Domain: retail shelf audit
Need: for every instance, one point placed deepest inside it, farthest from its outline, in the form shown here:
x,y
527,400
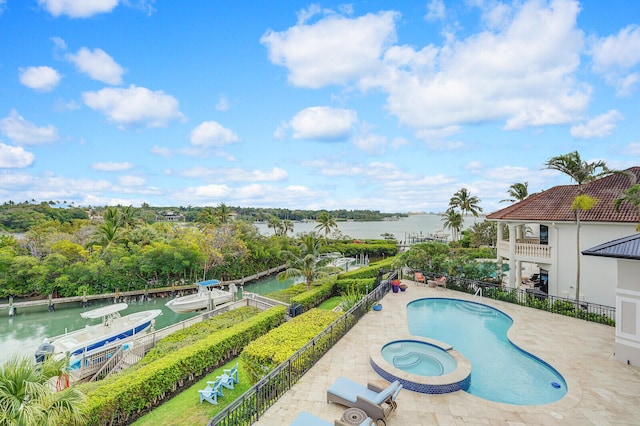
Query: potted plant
x,y
403,287
377,306
395,285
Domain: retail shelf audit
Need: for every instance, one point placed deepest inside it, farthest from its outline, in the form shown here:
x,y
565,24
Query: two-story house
x,y
541,230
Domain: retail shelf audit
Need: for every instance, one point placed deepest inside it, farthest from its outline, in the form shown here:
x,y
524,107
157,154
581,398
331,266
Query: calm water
x,y
414,224
500,371
22,334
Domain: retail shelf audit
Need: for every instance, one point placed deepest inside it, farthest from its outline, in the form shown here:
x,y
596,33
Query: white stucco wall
x,y
627,347
598,276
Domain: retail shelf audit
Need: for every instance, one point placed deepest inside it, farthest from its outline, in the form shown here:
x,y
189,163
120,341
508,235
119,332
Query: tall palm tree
x,y
326,223
631,196
466,202
26,398
207,216
308,264
517,192
223,213
453,221
275,223
581,172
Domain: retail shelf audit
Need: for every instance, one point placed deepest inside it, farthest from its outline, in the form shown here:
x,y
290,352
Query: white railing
x,y
529,250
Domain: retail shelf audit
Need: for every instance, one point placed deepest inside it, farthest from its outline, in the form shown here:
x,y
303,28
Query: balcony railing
x,y
528,250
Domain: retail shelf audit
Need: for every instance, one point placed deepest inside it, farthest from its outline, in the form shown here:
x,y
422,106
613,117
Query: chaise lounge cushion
x,y
350,390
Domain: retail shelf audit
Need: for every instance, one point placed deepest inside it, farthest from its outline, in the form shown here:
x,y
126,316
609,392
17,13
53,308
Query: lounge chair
x,y
232,372
211,392
308,419
419,278
377,402
441,282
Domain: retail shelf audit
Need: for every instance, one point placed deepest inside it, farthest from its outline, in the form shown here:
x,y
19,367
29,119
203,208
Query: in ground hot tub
x,y
424,359
421,365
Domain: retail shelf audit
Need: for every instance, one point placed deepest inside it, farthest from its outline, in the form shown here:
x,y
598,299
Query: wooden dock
x,y
135,293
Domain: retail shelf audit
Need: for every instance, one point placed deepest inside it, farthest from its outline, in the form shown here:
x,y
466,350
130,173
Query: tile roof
x,y
554,204
622,248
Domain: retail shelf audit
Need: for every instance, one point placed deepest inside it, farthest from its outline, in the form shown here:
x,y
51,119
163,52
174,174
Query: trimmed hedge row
x,y
315,296
269,351
197,332
358,284
126,397
370,271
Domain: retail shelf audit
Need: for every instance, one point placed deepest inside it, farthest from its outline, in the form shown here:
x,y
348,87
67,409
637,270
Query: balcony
x,y
526,250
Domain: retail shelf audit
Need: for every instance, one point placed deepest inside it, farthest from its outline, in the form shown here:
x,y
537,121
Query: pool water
x,y
418,358
500,371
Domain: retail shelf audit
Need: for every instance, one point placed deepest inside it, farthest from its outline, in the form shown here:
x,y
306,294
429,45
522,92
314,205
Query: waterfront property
x,y
542,231
600,390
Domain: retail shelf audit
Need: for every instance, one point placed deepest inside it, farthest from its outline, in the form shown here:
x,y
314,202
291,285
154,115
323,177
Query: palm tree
x,y
275,223
631,196
326,223
207,216
308,264
581,172
223,213
287,225
453,221
27,399
517,192
466,202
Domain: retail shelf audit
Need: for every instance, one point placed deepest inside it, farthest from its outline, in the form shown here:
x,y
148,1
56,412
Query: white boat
x,y
93,338
207,294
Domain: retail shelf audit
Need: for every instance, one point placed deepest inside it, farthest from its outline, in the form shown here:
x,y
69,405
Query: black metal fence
x,y
534,299
248,407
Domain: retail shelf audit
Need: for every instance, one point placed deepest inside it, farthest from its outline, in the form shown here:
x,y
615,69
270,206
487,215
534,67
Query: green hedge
x,y
200,331
358,284
317,294
123,398
370,271
267,352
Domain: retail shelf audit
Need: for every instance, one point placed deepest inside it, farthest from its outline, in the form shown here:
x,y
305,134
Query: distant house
x,y
624,253
542,232
170,216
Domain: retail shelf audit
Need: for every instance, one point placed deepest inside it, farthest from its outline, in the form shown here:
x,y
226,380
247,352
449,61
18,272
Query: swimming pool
x,y
500,371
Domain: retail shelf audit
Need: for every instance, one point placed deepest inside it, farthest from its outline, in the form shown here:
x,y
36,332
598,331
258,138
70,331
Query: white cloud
x,y
334,50
632,148
616,56
41,78
78,8
522,74
323,123
521,70
22,132
98,65
131,181
161,150
15,157
134,106
370,143
435,10
237,174
598,127
222,104
212,134
109,166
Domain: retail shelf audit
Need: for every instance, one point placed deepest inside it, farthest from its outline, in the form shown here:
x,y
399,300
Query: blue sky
x,y
381,105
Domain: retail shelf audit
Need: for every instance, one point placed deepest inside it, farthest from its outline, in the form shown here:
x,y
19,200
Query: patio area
x,y
601,391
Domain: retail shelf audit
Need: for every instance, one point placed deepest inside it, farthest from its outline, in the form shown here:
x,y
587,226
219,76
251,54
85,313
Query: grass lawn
x,y
185,408
331,303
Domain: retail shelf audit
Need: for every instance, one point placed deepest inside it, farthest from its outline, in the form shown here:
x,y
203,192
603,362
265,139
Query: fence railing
x,y
535,299
248,408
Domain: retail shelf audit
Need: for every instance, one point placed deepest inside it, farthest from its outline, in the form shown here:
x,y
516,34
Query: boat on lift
x,y
208,294
94,338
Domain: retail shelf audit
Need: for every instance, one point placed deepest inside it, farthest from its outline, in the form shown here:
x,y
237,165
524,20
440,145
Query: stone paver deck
x,y
601,391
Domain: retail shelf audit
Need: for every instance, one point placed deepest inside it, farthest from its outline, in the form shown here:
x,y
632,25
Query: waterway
x,y
23,333
401,229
